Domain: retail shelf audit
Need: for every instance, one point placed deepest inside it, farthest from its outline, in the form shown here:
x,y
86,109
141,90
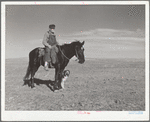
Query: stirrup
x,y
46,68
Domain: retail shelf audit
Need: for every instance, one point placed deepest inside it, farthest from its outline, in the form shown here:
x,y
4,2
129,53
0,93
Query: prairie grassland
x,y
96,85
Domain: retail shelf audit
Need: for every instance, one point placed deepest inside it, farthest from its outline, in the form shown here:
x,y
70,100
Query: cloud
x,y
101,36
99,43
102,32
110,43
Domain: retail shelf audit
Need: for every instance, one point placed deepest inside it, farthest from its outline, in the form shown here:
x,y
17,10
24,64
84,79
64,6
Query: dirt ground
x,y
96,85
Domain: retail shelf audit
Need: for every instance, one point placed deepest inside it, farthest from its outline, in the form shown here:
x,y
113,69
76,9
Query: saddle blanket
x,y
42,50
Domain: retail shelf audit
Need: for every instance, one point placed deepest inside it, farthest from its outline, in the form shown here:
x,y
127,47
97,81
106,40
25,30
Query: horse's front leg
x,y
60,78
57,71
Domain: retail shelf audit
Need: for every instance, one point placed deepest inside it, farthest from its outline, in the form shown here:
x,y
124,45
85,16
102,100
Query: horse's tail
x,y
33,60
33,57
28,72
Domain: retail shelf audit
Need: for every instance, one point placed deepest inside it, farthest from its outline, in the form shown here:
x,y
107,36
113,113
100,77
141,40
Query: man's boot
x,y
46,66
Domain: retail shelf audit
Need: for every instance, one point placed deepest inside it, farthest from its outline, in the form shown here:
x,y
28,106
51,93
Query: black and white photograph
x,y
77,60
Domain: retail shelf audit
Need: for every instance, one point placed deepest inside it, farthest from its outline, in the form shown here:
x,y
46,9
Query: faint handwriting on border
x,y
135,112
83,112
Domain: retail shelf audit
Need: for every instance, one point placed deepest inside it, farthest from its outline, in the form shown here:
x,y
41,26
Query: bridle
x,y
63,53
77,55
66,56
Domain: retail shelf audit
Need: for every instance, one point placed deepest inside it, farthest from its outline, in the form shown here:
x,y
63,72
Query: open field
x,y
96,85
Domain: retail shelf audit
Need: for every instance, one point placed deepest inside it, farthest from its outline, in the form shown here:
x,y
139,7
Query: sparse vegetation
x,y
96,85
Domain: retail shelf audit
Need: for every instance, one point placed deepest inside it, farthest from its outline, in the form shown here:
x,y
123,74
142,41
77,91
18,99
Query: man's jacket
x,y
49,39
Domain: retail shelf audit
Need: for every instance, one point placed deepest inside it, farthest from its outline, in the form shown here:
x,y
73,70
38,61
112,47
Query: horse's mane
x,y
72,43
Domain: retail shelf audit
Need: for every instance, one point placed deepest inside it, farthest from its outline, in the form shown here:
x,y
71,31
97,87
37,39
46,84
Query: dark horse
x,y
65,53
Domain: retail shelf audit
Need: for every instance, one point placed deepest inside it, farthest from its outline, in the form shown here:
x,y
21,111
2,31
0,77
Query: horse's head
x,y
79,51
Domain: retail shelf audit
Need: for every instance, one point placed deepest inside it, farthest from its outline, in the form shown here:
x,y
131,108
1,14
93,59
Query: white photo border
x,y
74,115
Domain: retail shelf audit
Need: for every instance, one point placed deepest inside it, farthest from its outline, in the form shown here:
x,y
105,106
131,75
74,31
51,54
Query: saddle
x,y
42,53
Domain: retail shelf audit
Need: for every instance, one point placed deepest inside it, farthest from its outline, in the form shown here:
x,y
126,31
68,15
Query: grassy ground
x,y
96,85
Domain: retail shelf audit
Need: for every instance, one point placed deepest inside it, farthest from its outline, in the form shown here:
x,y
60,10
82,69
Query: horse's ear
x,y
83,43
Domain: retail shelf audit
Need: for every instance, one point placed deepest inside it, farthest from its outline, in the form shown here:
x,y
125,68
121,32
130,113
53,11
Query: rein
x,y
63,53
77,54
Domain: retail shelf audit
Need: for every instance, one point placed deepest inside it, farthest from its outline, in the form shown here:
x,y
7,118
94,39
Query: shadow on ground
x,y
48,83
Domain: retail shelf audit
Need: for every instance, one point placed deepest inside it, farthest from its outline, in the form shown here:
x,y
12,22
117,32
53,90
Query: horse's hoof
x,y
60,87
61,90
55,87
55,91
52,88
32,86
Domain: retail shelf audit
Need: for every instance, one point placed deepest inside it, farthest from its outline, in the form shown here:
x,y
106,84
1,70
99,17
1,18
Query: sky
x,y
109,31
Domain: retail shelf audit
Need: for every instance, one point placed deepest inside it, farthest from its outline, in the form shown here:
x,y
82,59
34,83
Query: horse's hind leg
x,y
26,77
33,71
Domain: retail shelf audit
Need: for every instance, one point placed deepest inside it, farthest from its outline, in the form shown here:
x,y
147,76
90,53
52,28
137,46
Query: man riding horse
x,y
53,55
49,41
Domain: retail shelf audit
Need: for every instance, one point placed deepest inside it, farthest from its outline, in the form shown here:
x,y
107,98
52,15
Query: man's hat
x,y
52,26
